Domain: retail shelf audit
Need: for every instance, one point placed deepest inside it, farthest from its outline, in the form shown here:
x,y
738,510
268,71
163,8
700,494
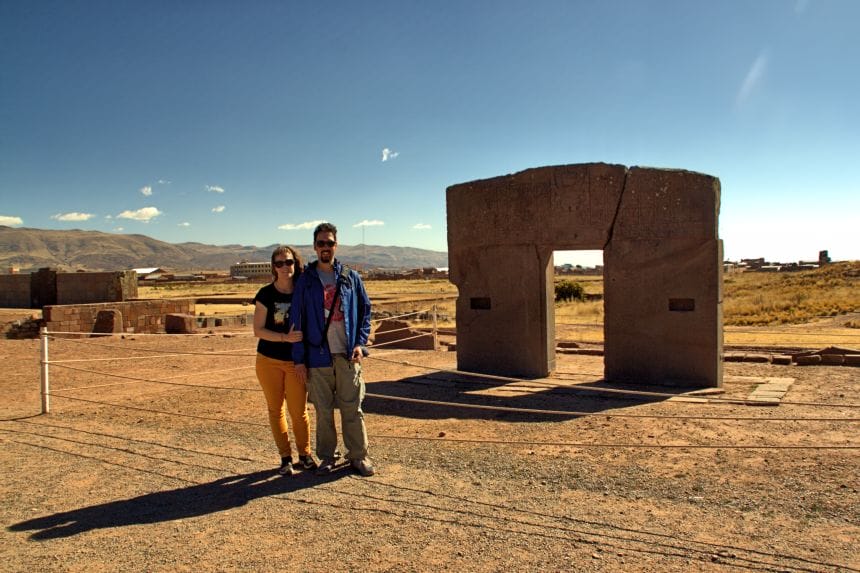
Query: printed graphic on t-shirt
x,y
282,311
338,311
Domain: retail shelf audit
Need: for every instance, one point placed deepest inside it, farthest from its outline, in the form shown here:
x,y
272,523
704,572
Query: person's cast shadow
x,y
180,503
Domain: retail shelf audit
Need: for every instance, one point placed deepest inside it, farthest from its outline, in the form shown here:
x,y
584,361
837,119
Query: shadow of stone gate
x,y
458,396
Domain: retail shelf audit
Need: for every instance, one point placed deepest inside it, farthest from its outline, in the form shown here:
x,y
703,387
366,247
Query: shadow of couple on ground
x,y
169,505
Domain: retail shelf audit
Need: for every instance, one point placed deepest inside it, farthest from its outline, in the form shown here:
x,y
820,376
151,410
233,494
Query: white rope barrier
x,y
161,381
732,401
580,414
136,334
416,313
44,363
126,349
155,381
379,332
71,360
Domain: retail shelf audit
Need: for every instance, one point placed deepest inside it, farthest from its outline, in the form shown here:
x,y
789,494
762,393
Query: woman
x,y
274,360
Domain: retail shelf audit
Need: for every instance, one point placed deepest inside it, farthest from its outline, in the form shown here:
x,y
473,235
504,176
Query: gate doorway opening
x,y
579,310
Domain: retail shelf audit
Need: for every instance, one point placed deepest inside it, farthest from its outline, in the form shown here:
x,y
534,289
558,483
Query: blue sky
x,y
246,122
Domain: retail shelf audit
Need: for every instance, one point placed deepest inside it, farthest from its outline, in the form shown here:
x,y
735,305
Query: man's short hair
x,y
325,228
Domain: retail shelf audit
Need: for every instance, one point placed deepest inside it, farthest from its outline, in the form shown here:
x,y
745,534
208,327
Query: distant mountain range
x,y
31,249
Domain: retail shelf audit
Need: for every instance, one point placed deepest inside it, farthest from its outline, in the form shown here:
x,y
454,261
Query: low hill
x,y
30,249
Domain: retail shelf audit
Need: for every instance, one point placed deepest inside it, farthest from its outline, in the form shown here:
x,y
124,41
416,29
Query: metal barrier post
x,y
435,330
46,388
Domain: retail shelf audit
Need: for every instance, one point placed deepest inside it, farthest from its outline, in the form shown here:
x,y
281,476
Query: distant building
x,y
753,263
149,273
251,270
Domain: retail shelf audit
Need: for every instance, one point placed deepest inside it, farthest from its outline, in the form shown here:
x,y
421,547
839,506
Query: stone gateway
x,y
658,229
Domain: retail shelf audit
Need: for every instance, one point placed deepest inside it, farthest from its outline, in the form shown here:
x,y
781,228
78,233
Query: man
x,y
332,310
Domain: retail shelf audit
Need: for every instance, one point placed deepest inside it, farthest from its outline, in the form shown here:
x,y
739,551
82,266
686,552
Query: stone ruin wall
x,y
14,291
145,316
50,287
85,288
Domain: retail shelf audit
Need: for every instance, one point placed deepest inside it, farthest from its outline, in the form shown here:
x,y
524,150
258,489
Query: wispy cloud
x,y
73,216
218,209
389,154
422,226
214,189
145,214
118,229
367,223
10,221
753,78
184,224
146,190
299,226
163,182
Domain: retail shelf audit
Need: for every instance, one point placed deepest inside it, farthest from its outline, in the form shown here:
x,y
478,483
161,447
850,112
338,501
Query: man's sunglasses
x,y
328,244
279,264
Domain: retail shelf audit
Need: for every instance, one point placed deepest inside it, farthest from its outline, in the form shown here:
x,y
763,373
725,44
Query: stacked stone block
x,y
137,316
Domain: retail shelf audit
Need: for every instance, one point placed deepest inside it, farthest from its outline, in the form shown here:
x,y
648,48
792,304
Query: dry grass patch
x,y
767,299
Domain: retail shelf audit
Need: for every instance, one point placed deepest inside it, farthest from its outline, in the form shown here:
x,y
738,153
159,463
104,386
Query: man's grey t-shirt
x,y
337,328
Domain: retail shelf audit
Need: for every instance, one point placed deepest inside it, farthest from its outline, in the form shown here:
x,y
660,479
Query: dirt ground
x,y
566,479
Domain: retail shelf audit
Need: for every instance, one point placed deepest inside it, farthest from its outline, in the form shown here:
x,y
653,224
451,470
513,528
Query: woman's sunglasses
x,y
279,264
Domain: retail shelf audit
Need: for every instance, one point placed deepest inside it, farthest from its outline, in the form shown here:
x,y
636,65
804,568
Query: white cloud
x,y
422,226
299,226
218,209
10,221
389,154
753,77
367,223
119,229
146,191
185,224
146,214
163,182
73,216
214,189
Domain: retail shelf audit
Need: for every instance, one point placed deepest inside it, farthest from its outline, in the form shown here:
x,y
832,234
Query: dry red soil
x,y
126,474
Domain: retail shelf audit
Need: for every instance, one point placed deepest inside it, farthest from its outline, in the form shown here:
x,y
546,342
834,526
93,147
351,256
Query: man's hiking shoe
x,y
286,468
307,462
363,467
326,467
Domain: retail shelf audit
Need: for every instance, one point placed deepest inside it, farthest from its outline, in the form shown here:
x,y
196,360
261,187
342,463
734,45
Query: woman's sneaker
x,y
307,462
286,468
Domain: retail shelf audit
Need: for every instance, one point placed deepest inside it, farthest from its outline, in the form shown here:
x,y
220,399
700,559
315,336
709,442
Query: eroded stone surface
x,y
662,278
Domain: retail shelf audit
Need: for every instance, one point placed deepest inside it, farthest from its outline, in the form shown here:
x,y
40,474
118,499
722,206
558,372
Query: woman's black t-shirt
x,y
277,320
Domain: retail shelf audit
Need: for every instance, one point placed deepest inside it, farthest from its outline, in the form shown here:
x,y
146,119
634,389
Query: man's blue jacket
x,y
306,314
